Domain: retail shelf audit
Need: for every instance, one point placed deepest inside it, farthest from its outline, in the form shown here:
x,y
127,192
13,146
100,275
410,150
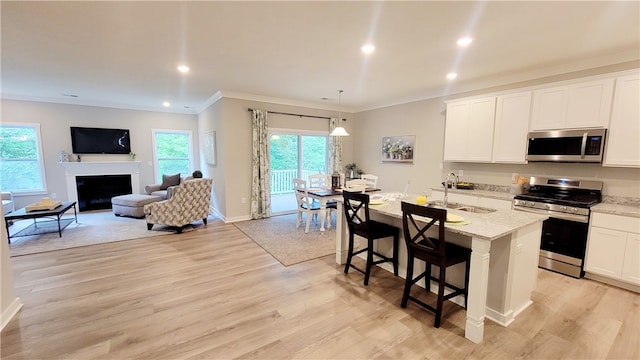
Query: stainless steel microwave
x,y
585,145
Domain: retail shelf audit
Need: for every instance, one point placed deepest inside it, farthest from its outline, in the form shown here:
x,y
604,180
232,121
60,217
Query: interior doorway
x,y
294,154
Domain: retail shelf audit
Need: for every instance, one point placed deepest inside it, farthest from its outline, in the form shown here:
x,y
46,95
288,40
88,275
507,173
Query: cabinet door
x,y
480,130
589,104
631,264
469,130
455,136
511,127
549,108
605,252
623,137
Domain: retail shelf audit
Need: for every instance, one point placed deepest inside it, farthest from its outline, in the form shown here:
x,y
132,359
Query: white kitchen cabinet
x,y
511,127
469,130
623,136
613,249
631,268
582,105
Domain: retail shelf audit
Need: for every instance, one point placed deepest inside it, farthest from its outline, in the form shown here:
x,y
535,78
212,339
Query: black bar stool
x,y
433,251
368,229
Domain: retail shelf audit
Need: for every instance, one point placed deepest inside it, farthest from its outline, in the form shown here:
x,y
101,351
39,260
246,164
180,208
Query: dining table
x,y
323,195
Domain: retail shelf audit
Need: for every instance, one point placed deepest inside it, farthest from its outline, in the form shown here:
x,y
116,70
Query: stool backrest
x,y
415,234
355,204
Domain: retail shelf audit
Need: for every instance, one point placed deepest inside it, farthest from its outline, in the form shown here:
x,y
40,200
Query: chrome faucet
x,y
454,184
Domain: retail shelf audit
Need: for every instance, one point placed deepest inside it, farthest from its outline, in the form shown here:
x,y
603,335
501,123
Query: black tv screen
x,y
100,141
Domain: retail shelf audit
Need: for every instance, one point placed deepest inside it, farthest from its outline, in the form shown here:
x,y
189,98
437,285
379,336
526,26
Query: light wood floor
x,y
215,294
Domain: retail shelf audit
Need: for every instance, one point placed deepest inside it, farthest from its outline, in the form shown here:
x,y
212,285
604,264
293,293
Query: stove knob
x,y
547,206
574,210
530,203
563,208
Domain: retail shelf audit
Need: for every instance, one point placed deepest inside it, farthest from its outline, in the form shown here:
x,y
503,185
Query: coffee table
x,y
24,214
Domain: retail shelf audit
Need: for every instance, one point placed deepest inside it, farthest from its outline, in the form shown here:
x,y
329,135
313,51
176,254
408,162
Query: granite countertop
x,y
489,226
617,209
624,206
500,195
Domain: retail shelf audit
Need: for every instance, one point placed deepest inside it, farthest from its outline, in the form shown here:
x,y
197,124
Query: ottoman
x,y
132,204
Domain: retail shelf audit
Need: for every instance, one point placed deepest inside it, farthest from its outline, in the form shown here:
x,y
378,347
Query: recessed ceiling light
x,y
465,41
183,68
368,48
452,76
166,104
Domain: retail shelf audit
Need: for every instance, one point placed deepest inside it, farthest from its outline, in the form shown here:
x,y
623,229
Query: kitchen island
x,y
504,259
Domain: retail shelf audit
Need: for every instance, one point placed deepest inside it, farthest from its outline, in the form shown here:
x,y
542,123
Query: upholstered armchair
x,y
189,202
165,189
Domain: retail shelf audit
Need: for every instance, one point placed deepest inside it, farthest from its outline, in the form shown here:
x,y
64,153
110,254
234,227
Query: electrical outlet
x,y
460,173
440,166
244,200
54,195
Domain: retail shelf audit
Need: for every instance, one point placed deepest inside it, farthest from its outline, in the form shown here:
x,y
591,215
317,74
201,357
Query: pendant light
x,y
339,130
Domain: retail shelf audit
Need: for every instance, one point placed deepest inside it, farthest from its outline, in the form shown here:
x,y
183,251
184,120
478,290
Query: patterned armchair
x,y
189,202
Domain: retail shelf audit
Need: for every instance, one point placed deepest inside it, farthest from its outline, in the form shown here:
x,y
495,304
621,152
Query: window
x,y
21,164
172,152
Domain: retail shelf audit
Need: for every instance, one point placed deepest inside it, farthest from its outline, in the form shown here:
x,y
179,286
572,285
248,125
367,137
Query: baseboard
x,y
10,312
612,282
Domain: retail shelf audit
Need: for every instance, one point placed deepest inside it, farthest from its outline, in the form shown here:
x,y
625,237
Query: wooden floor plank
x,y
213,293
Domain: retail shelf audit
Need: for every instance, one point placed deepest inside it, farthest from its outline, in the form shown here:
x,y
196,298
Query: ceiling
x,y
124,54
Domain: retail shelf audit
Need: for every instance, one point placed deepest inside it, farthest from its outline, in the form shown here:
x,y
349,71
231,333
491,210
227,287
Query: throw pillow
x,y
170,180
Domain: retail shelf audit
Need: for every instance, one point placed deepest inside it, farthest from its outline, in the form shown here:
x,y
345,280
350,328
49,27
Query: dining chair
x,y
306,204
433,251
356,185
317,181
372,180
356,210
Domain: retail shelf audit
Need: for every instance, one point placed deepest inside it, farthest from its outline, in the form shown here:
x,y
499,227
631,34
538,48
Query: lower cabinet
x,y
613,249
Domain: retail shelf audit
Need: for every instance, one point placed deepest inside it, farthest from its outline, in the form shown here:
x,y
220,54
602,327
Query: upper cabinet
x,y
582,105
511,127
623,138
469,130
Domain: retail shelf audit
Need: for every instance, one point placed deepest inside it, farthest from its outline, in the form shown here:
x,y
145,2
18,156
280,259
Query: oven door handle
x,y
564,216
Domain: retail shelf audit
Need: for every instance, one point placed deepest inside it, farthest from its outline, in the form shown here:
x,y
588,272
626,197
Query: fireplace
x,y
95,191
99,169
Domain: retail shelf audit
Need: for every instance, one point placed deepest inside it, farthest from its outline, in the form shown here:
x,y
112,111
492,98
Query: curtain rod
x,y
299,115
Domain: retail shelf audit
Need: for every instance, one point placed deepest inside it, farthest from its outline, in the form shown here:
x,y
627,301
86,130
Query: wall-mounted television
x,y
100,141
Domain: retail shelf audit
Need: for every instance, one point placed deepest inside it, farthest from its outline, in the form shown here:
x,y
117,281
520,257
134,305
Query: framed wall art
x,y
398,148
209,147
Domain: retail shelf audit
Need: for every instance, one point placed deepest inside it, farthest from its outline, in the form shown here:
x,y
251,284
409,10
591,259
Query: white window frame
x,y
43,176
154,132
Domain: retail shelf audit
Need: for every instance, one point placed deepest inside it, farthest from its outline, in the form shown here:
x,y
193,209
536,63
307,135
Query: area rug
x,y
280,238
95,227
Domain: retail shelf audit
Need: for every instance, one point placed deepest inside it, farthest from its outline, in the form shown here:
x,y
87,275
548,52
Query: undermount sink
x,y
462,207
475,209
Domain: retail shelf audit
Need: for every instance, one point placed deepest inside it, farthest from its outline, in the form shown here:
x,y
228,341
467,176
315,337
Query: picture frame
x,y
398,149
209,147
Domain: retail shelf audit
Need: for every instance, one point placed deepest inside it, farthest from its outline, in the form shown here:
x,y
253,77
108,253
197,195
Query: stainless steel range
x,y
564,234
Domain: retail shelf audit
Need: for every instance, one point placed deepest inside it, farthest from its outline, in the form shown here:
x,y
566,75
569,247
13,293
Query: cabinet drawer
x,y
616,222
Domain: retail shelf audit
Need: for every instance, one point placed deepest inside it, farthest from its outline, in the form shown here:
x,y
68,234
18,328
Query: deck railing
x,y
282,180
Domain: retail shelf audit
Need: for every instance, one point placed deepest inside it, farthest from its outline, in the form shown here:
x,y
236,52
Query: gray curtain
x,y
335,149
261,186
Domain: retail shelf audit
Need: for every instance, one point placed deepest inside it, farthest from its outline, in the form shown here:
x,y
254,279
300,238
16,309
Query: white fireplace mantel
x,y
73,169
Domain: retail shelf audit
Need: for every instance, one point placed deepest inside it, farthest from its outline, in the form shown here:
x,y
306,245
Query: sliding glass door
x,y
293,155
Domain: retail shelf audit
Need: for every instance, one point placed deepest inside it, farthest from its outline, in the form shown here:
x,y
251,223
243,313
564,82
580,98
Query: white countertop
x,y
489,226
616,209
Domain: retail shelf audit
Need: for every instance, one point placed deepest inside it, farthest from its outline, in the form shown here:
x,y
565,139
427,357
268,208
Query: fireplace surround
x,y
98,168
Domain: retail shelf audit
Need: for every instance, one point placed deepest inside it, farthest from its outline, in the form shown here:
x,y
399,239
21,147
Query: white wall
x,y
9,303
232,122
55,120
